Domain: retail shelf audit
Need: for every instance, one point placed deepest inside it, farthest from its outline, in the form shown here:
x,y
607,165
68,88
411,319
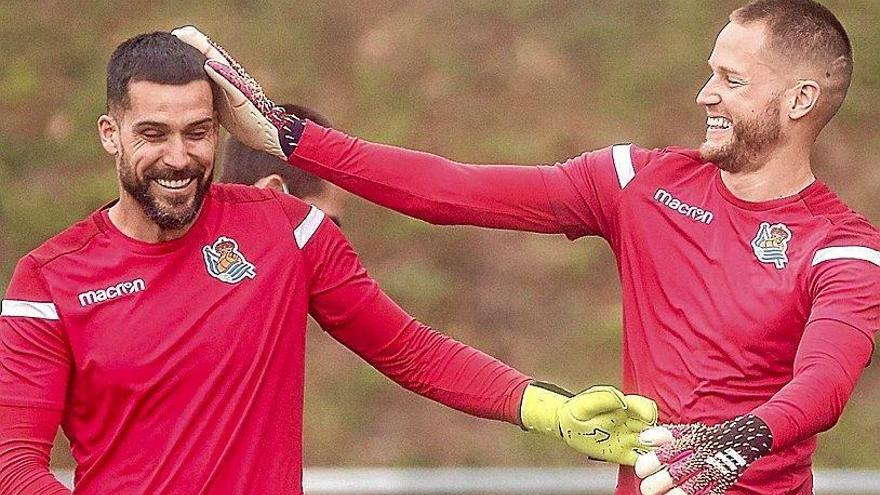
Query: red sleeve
x,y
34,369
837,342
845,287
575,198
829,362
586,190
349,305
429,187
26,435
34,355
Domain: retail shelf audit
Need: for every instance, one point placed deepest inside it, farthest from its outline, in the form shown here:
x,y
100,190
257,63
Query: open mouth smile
x,y
174,185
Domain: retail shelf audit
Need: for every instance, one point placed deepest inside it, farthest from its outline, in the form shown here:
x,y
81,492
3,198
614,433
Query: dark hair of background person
x,y
155,57
243,165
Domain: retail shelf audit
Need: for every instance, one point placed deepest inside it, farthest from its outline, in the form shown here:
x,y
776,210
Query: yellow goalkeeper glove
x,y
600,422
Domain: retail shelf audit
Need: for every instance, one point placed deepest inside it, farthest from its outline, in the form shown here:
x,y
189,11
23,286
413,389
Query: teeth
x,y
718,123
174,184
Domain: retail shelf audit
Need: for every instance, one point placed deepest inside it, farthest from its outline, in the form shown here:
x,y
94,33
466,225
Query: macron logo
x,y
694,213
121,289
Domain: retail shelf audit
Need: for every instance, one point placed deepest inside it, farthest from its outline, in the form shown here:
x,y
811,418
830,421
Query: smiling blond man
x,y
750,290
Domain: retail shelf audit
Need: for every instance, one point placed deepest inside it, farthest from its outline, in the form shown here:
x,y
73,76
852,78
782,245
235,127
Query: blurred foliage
x,y
521,81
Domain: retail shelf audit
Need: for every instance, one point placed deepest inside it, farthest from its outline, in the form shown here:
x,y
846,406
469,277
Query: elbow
x,y
27,474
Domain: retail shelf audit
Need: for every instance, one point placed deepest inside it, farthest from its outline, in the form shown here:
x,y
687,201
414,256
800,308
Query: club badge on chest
x,y
771,244
225,262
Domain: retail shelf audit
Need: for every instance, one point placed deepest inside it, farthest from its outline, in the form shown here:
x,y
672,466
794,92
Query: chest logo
x,y
771,243
121,289
226,263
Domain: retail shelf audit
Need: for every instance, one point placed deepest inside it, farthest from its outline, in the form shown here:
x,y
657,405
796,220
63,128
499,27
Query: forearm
x,y
432,365
26,436
429,187
830,361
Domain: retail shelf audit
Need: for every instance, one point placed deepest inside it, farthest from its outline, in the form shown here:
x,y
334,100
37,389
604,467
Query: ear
x,y
108,132
804,98
273,181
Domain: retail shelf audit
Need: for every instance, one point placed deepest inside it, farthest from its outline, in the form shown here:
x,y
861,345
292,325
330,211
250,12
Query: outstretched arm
x,y
348,304
430,187
418,184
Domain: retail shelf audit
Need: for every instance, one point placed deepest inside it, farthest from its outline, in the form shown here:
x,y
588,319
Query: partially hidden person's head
x,y
780,71
243,165
160,126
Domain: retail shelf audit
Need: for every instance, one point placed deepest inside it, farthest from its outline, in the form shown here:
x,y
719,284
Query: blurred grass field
x,y
524,81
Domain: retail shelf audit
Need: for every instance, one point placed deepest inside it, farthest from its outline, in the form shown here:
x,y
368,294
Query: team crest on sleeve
x,y
771,243
225,262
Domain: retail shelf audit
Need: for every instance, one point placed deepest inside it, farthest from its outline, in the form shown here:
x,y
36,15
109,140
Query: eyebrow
x,y
197,123
723,68
164,126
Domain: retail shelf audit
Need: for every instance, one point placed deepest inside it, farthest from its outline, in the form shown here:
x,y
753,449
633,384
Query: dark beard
x,y
751,139
173,215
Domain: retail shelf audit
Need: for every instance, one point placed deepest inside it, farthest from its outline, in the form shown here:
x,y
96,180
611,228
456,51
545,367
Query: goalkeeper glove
x,y
700,459
600,422
244,110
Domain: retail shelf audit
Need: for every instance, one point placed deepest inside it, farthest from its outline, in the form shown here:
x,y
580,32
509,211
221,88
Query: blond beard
x,y
751,140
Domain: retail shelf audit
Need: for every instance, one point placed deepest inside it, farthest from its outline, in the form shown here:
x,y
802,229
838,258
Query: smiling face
x,y
743,99
164,143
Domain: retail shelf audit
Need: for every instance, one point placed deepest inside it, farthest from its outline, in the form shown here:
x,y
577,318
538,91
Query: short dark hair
x,y
156,57
806,31
244,165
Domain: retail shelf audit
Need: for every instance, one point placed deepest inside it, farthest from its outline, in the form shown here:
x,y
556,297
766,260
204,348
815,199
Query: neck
x,y
784,172
128,216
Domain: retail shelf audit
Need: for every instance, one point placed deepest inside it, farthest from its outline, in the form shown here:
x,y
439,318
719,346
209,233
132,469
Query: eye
x,y
733,81
152,134
198,134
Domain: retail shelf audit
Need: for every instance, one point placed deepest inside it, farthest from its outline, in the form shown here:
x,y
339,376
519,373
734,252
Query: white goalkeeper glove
x,y
245,111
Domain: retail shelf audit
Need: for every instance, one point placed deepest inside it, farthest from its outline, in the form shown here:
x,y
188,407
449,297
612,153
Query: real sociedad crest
x,y
771,243
225,262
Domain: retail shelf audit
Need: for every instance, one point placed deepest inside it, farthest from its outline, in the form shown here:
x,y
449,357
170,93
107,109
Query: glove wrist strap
x,y
540,404
289,133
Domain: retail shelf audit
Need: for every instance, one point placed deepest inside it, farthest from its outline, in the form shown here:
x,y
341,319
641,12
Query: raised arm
x,y
429,187
34,369
418,184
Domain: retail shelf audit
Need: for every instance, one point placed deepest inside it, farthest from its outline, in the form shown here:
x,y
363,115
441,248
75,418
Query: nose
x,y
176,154
708,95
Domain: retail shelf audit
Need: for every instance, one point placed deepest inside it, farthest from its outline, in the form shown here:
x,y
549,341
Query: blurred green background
x,y
521,81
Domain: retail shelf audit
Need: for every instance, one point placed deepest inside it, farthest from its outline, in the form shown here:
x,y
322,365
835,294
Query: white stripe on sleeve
x,y
306,229
846,253
623,165
28,309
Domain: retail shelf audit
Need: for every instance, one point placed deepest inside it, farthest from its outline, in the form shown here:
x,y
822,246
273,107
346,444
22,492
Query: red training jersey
x,y
730,307
177,367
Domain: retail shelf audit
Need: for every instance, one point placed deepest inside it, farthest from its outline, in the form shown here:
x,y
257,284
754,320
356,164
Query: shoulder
x,y
853,238
638,157
27,281
240,193
848,235
842,221
69,241
630,161
299,214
